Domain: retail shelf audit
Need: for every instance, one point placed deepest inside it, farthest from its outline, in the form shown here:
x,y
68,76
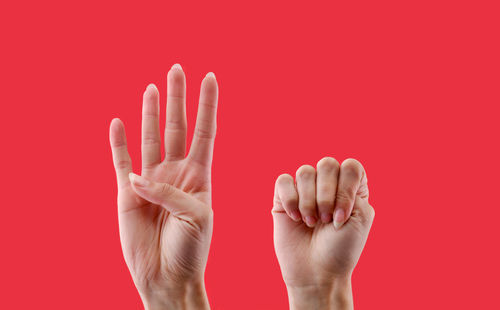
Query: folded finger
x,y
286,197
350,176
326,187
306,187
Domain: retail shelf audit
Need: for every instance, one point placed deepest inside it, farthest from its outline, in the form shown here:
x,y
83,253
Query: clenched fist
x,y
165,215
321,223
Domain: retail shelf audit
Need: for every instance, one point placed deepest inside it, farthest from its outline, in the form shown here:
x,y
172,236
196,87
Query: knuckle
x,y
283,179
122,164
305,171
150,141
328,164
345,196
308,210
307,205
323,189
175,125
211,104
371,212
325,203
166,190
291,201
353,167
204,133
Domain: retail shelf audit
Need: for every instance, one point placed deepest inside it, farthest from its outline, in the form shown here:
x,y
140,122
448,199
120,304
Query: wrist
x,y
180,297
336,295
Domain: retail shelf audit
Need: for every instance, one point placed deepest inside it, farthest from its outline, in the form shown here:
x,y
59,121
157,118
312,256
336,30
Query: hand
x,y
165,215
317,257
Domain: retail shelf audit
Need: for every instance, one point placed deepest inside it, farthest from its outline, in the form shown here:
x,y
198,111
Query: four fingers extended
x,y
175,128
176,124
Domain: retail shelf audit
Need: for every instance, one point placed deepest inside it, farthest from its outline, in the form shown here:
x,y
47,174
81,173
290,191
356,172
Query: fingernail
x,y
138,180
310,221
210,74
326,217
177,66
153,86
338,218
295,214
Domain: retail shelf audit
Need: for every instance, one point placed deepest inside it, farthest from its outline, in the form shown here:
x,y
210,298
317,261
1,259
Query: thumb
x,y
172,199
364,210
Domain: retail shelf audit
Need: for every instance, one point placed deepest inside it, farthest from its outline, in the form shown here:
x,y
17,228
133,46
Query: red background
x,y
409,88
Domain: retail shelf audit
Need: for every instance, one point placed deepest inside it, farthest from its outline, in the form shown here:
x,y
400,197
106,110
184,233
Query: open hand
x,y
165,215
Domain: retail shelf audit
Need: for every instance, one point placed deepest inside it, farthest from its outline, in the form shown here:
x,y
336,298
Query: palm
x,y
167,240
162,242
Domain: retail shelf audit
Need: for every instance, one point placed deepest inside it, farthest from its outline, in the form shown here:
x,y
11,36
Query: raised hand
x,y
165,215
316,256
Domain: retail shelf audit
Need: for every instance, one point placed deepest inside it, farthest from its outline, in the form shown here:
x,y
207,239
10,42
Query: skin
x,y
321,223
165,215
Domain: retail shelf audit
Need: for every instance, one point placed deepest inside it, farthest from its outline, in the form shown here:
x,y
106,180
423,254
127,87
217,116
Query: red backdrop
x,y
410,88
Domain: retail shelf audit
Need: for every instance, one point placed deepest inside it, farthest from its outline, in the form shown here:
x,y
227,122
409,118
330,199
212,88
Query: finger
x,y
151,145
350,176
286,197
326,187
363,208
121,158
204,134
306,187
171,198
176,124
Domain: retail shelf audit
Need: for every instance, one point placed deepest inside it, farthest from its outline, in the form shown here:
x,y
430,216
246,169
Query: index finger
x,y
202,146
351,183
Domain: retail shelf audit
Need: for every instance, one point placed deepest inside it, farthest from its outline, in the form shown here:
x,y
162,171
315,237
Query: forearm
x,y
191,296
337,296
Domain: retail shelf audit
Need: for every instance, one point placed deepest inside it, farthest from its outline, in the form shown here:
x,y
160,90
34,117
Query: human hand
x,y
317,257
165,215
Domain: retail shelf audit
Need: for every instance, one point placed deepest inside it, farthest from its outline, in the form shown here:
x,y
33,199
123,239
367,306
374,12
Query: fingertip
x,y
295,216
310,220
151,92
137,180
305,171
209,86
328,164
326,217
284,178
115,122
176,75
117,133
176,67
210,82
338,218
